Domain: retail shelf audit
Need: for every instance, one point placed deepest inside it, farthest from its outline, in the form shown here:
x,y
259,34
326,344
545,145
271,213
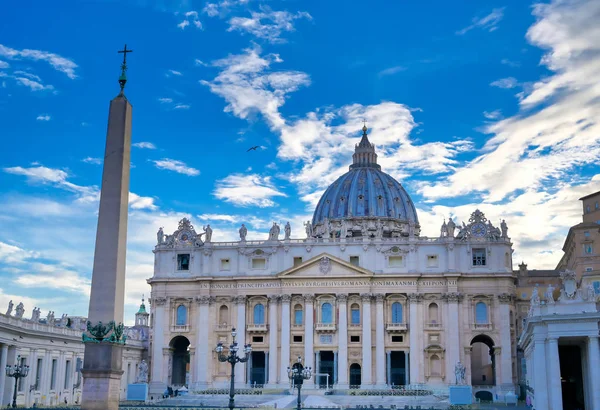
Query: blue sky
x,y
488,104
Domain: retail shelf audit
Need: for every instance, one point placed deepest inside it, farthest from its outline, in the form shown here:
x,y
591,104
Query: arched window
x,y
326,313
355,314
433,313
481,315
396,312
298,314
259,314
223,315
587,209
181,315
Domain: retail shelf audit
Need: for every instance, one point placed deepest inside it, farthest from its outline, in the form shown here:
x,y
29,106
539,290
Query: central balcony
x,y
325,327
396,327
257,328
180,328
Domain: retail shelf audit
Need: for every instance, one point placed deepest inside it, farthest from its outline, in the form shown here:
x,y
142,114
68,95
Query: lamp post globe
x,y
17,372
233,358
297,374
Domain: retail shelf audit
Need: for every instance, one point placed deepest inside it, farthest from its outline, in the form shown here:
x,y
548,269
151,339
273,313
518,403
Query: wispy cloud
x,y
190,18
222,7
174,72
176,166
181,107
492,115
91,160
58,62
33,85
144,145
508,82
219,217
28,75
4,64
199,62
247,190
510,63
165,100
267,24
392,70
43,117
489,22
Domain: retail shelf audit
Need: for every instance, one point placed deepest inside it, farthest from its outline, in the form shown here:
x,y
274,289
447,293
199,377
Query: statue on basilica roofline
x,y
288,231
343,229
35,315
160,236
10,308
504,229
550,294
309,229
20,310
243,233
207,233
274,232
450,227
50,318
535,296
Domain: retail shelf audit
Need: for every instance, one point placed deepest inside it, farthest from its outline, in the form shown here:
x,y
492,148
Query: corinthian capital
x,y
158,301
203,300
505,298
342,297
366,297
286,298
415,297
239,300
379,297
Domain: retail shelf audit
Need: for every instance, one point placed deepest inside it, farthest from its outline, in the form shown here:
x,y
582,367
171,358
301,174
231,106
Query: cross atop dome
x,y
364,153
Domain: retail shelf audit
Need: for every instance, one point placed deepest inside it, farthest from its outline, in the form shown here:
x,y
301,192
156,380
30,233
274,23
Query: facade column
x,y
31,378
406,367
452,326
309,337
367,349
467,364
158,381
451,257
506,379
202,352
3,363
342,379
335,368
554,383
416,351
380,379
593,366
285,338
240,368
388,367
273,327
540,382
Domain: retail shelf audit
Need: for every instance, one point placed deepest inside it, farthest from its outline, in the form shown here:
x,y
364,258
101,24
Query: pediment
x,y
325,265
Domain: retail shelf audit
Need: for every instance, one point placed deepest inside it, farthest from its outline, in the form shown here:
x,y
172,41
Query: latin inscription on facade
x,y
329,283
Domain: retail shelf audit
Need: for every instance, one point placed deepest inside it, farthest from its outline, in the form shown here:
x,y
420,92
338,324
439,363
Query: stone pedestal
x,y
137,392
461,394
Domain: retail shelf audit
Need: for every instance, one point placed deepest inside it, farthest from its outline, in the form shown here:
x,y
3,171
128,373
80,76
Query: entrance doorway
x,y
181,361
325,367
397,369
355,376
483,361
571,377
258,368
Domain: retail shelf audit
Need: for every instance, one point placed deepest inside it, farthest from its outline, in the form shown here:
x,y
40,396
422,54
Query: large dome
x,y
365,193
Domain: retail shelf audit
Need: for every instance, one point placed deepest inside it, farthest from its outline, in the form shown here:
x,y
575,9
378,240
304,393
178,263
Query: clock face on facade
x,y
478,230
185,236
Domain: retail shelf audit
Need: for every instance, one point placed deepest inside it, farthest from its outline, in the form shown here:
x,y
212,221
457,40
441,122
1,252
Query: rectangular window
x,y
297,339
588,249
397,339
183,261
597,287
395,262
257,339
259,263
22,363
432,261
225,264
67,374
355,339
297,260
478,257
53,375
589,269
298,317
355,316
354,260
586,233
38,373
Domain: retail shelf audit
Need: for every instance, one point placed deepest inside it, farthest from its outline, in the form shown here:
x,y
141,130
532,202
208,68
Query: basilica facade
x,y
361,297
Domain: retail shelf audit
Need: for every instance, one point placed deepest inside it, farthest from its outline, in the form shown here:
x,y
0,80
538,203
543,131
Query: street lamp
x,y
233,358
17,371
298,373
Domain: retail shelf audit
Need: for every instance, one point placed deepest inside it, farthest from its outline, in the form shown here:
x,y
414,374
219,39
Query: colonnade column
x,y
202,352
285,338
554,383
540,384
342,379
388,367
158,382
309,355
273,328
367,366
3,363
380,379
416,351
452,326
594,370
31,378
506,380
240,368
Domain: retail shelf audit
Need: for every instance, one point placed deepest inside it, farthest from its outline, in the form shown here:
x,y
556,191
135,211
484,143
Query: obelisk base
x,y
101,385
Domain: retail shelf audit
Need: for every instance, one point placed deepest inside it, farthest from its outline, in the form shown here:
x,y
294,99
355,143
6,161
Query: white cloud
x,y
247,190
14,254
33,85
175,165
489,22
175,72
59,63
493,115
510,63
44,117
4,64
165,100
141,202
200,63
190,17
146,145
181,107
391,70
183,24
266,23
28,75
508,82
219,217
91,160
223,7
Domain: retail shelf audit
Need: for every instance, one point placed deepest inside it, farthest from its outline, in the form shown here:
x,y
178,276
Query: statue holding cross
x,y
123,77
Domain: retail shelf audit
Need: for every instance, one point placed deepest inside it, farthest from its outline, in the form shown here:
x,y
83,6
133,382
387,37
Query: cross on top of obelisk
x,y
123,77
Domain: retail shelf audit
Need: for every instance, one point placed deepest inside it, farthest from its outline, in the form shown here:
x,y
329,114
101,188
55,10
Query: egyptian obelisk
x,y
104,339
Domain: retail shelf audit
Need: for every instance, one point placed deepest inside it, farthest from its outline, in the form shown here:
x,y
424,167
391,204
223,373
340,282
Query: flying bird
x,y
253,148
